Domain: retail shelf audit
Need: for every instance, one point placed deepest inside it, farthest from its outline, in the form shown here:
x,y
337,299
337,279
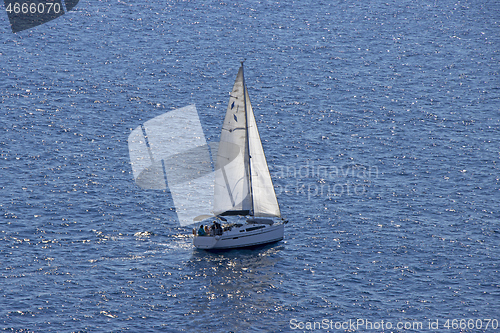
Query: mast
x,y
249,167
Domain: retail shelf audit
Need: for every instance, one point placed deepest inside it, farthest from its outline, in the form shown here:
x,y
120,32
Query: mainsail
x,y
232,190
243,185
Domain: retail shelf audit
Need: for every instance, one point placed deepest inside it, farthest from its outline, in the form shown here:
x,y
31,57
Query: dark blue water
x,y
380,121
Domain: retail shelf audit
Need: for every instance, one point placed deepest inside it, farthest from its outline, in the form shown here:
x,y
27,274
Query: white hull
x,y
244,236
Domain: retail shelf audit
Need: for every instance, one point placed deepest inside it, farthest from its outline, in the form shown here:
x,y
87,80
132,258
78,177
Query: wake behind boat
x,y
244,191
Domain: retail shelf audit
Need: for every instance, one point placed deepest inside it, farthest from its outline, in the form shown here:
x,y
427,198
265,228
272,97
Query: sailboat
x,y
246,210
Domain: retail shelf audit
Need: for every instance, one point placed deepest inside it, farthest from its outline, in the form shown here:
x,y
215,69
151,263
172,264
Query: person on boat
x,y
217,228
201,231
207,230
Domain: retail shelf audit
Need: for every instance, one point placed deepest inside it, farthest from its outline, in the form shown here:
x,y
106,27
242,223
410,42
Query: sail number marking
x,y
33,8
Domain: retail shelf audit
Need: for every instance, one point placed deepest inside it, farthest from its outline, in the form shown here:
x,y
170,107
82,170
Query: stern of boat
x,y
205,242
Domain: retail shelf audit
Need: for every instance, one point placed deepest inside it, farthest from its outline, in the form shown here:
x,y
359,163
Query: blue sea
x,y
381,125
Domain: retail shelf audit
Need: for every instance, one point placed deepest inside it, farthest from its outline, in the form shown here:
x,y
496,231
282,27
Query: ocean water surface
x,y
380,121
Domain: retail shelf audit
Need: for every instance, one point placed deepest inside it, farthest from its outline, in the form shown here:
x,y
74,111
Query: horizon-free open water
x,y
380,122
